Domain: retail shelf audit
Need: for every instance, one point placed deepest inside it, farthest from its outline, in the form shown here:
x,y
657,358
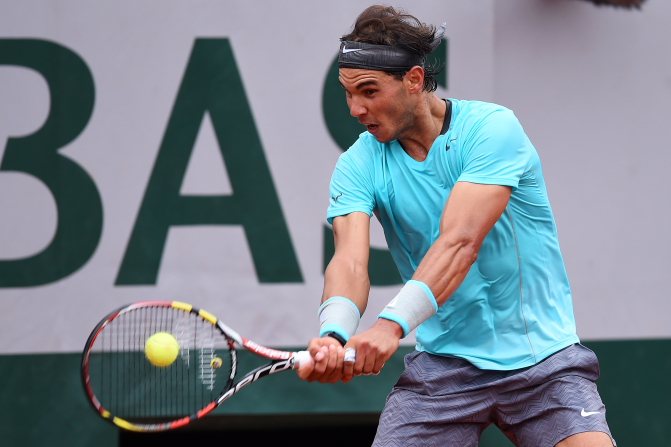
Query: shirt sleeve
x,y
496,151
351,186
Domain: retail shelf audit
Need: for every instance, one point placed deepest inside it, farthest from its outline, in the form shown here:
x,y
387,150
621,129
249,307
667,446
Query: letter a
x,y
212,83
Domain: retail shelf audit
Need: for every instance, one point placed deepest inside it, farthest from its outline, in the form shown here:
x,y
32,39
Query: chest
x,y
412,194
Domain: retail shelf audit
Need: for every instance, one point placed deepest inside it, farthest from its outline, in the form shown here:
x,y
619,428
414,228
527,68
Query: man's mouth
x,y
372,128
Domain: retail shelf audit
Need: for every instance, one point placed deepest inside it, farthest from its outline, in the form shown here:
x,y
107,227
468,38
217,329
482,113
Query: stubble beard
x,y
404,124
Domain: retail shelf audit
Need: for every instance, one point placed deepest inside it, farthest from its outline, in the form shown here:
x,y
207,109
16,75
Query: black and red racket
x,y
134,394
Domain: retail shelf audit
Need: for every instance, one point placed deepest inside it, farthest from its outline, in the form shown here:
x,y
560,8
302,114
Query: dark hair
x,y
384,25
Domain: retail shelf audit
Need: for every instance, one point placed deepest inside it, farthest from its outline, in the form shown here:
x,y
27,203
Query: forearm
x,y
348,279
345,296
445,266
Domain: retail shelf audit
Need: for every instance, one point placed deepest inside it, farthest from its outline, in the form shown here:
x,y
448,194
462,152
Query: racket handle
x,y
301,358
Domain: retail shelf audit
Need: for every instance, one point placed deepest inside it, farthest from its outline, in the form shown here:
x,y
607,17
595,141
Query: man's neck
x,y
430,117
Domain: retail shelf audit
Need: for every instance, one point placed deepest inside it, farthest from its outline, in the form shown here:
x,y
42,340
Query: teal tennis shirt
x,y
514,306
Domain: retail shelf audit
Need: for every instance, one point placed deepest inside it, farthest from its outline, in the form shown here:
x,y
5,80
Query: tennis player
x,y
459,191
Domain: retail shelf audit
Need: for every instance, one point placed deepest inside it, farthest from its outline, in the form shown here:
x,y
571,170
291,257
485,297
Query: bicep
x,y
351,234
472,210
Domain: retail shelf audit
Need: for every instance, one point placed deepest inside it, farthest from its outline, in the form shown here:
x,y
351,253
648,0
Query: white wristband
x,y
413,305
340,315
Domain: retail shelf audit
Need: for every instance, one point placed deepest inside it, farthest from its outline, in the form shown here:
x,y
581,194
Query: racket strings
x,y
130,387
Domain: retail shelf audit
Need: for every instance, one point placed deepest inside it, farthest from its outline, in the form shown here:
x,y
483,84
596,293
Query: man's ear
x,y
414,79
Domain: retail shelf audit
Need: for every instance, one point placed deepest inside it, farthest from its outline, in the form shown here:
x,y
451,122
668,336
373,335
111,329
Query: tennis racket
x,y
130,392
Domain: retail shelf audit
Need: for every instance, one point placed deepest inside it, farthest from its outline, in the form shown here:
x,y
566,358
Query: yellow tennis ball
x,y
161,349
216,363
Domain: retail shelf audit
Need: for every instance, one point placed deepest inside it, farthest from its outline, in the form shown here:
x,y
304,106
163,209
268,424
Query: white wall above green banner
x,y
169,150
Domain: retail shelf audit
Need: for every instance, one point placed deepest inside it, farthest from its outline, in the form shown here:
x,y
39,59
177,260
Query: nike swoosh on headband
x,y
349,50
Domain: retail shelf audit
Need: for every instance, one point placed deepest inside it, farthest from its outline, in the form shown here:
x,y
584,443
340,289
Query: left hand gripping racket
x,y
129,391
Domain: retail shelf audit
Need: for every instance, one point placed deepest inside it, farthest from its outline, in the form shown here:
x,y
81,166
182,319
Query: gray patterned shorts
x,y
443,401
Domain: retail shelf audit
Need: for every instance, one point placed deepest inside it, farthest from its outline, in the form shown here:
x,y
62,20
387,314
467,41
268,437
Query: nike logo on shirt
x,y
584,413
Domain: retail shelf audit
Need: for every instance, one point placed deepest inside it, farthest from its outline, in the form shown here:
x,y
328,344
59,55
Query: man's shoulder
x,y
476,116
477,109
365,147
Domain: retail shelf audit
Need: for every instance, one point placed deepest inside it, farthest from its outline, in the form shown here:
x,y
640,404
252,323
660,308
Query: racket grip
x,y
301,358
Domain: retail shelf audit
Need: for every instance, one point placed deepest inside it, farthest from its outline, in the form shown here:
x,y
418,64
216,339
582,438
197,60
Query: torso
x,y
514,307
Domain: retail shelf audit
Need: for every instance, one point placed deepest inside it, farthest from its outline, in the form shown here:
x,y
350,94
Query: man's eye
x,y
370,92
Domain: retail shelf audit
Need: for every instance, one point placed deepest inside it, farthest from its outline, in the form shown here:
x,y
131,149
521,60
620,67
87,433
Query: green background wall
x,y
42,402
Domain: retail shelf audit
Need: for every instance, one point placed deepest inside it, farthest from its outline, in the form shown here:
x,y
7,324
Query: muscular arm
x,y
470,212
347,273
346,276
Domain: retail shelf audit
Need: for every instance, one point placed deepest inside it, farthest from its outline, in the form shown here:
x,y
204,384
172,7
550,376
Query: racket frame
x,y
280,361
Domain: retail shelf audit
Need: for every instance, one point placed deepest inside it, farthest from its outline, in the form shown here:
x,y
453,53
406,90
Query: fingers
x,y
329,365
379,364
348,368
305,369
327,359
369,365
331,361
366,356
316,344
360,361
337,371
321,362
320,355
373,348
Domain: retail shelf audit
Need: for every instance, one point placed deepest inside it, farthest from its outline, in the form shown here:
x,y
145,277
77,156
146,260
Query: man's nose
x,y
356,109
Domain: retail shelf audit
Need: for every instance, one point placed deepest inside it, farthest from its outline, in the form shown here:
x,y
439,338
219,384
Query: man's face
x,y
379,101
